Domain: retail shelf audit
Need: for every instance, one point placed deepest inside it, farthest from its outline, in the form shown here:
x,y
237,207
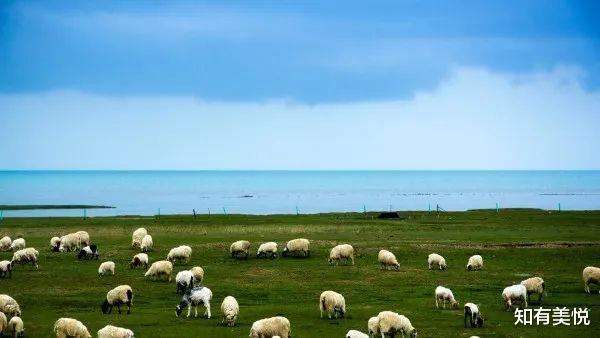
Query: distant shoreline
x,y
53,206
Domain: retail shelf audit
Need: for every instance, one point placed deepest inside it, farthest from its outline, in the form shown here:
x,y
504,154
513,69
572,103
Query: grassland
x,y
515,244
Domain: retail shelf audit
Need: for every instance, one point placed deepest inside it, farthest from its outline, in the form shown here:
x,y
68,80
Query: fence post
x,y
297,212
497,209
194,211
1,215
84,213
558,207
224,211
208,212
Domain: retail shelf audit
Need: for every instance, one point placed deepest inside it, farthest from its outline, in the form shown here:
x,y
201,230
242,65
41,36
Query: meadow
x,y
515,244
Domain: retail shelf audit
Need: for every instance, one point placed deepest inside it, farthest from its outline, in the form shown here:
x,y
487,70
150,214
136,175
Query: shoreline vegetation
x,y
51,206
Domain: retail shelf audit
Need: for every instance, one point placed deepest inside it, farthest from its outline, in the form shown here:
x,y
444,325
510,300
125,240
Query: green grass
x,y
514,244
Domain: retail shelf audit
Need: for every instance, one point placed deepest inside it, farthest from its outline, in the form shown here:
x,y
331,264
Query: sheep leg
x,y
128,307
110,309
466,320
207,306
119,307
429,266
540,298
436,303
196,311
586,288
321,313
352,260
189,310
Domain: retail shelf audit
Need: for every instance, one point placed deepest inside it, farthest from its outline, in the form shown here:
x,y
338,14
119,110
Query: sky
x,y
299,85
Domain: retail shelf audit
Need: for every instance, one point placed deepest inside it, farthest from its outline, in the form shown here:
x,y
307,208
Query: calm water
x,y
266,192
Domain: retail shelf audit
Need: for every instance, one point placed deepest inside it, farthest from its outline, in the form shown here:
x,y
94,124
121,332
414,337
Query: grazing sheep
x,y
373,326
475,263
3,322
513,293
70,328
110,331
84,238
445,295
9,306
140,259
230,310
17,244
534,285
591,275
122,294
331,301
184,279
198,273
356,334
342,251
297,246
24,256
240,249
160,268
435,259
268,249
180,253
69,242
147,243
106,268
391,323
5,269
138,235
472,312
15,327
388,260
5,243
89,252
54,244
193,297
271,327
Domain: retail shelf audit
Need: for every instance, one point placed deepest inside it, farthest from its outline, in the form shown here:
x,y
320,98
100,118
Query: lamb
x,y
391,323
160,268
267,249
534,285
342,251
271,327
373,326
356,334
240,249
147,243
297,246
89,252
435,259
193,297
17,244
110,331
180,253
140,259
69,242
230,310
54,244
9,306
513,293
107,268
198,273
5,269
475,263
331,301
15,327
388,260
84,238
472,312
591,275
3,322
5,243
445,295
122,294
70,328
138,235
184,279
24,256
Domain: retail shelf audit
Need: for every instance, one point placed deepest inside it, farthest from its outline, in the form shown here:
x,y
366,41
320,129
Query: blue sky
x,y
299,85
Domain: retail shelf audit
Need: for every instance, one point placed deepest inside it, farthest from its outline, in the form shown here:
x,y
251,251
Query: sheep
x,y
297,246
331,301
24,256
198,273
9,306
271,327
180,253
240,249
472,312
230,310
138,235
107,268
184,280
391,323
160,268
140,259
591,275
445,295
267,249
475,263
54,244
5,269
89,252
15,327
373,326
388,260
534,285
110,331
5,243
84,238
17,244
147,243
193,297
122,294
356,334
70,328
513,293
435,259
69,242
342,251
3,322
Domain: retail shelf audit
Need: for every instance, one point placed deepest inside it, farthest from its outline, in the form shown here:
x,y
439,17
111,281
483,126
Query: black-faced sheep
x,y
122,294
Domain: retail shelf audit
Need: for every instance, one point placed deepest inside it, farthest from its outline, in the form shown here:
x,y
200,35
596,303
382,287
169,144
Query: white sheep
x,y
16,327
268,249
391,323
54,244
534,285
240,249
25,256
147,243
475,263
84,238
271,327
138,235
591,275
69,242
9,306
122,294
444,295
373,326
296,247
3,322
184,280
342,251
230,310
5,269
5,243
332,302
160,268
193,297
180,253
198,273
436,260
88,252
513,293
17,244
106,268
471,311
110,331
70,328
140,259
356,334
388,260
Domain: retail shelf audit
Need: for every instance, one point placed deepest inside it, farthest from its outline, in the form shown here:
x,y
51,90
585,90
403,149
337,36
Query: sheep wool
x,y
5,269
388,260
475,263
5,243
591,275
373,326
297,247
240,249
444,295
55,243
268,249
193,297
230,310
342,251
332,302
356,334
9,306
3,322
107,268
147,243
436,260
160,269
513,293
16,327
184,279
471,311
391,323
534,285
83,238
110,331
70,328
24,256
17,244
138,235
180,253
69,242
270,327
122,294
198,273
140,259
